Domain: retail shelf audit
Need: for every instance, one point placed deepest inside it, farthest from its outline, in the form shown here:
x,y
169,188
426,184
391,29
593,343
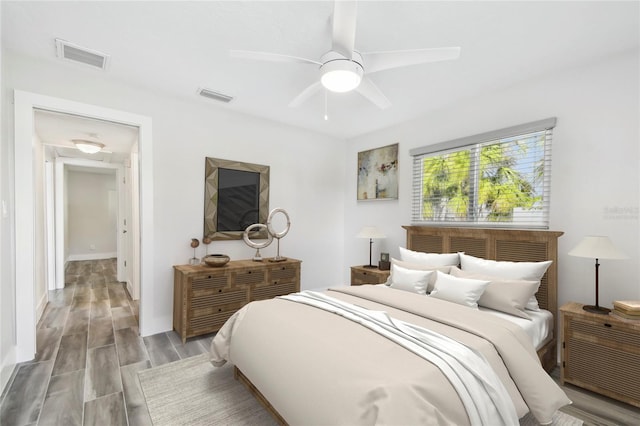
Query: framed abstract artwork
x,y
378,173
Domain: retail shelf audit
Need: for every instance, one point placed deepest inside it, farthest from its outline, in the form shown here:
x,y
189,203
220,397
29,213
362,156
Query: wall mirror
x,y
236,195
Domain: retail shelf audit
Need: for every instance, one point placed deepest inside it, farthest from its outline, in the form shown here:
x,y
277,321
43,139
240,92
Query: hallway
x,y
88,354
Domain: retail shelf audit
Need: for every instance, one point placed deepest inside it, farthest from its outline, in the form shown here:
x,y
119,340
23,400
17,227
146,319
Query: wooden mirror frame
x,y
212,165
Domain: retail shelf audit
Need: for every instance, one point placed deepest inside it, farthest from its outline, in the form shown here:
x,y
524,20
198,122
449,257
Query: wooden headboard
x,y
514,245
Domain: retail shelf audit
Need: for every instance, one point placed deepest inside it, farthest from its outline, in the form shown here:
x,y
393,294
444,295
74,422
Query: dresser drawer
x,y
207,284
271,291
283,273
208,323
217,302
250,276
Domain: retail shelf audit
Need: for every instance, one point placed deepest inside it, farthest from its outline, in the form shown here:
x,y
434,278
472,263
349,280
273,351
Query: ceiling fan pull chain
x,y
326,115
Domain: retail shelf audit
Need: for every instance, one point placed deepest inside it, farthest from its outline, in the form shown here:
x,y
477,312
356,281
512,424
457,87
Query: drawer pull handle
x,y
209,277
248,272
607,325
275,282
219,309
219,290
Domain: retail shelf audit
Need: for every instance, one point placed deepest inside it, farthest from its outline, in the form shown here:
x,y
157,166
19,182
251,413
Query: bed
x,y
325,367
504,245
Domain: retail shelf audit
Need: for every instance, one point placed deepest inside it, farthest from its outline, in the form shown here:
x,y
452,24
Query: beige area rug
x,y
194,392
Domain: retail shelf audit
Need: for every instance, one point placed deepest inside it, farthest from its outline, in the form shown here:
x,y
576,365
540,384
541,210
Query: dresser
x,y
364,275
601,353
205,297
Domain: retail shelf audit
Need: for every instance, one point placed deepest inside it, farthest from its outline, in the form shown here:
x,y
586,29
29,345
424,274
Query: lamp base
x,y
596,309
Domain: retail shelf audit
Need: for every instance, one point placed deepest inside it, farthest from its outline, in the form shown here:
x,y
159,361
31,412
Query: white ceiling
x,y
57,131
178,47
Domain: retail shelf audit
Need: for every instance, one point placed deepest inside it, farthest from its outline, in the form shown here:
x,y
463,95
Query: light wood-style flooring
x,y
89,353
88,356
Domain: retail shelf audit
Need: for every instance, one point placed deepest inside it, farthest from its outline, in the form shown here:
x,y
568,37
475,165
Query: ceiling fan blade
x,y
306,94
271,57
379,61
344,27
373,94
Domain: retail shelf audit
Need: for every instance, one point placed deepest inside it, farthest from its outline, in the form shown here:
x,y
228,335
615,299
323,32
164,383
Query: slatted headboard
x,y
514,245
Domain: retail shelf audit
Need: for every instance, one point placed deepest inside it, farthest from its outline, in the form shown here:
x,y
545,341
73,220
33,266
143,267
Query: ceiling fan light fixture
x,y
88,147
341,75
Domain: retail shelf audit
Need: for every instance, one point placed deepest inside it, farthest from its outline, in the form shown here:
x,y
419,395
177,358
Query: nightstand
x,y
601,353
362,275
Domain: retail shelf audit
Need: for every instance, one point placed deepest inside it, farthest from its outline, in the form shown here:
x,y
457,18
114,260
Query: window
x,y
499,178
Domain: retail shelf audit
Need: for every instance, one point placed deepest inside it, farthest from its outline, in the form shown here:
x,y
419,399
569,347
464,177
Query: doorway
x,y
26,151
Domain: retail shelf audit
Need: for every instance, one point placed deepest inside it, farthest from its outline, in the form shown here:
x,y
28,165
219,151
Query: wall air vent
x,y
215,95
75,53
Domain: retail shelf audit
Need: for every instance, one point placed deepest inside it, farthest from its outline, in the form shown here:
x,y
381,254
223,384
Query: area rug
x,y
193,392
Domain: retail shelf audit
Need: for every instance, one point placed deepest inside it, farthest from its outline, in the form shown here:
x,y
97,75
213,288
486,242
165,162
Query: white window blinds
x,y
500,178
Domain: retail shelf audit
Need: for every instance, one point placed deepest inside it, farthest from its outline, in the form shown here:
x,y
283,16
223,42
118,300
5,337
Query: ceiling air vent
x,y
75,53
215,95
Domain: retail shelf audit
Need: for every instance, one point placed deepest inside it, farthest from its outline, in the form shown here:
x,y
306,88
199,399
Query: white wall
x,y
307,176
7,284
93,214
594,169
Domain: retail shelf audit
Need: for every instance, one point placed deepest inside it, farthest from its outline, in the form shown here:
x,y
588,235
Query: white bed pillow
x,y
419,267
530,271
503,294
463,291
431,259
409,280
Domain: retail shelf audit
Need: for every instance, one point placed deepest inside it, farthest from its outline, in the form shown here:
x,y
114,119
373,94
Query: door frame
x,y
24,189
59,254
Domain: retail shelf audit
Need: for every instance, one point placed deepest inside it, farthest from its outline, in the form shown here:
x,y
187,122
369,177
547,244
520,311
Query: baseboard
x,y
92,256
129,288
41,305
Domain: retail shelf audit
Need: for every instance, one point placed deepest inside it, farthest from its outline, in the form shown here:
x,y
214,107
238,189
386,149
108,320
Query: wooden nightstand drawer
x,y
604,332
361,275
601,353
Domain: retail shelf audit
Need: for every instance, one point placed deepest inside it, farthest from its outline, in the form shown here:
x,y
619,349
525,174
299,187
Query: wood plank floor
x,y
89,354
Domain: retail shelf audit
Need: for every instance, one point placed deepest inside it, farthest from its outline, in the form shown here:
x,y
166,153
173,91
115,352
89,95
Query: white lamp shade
x,y
370,232
597,247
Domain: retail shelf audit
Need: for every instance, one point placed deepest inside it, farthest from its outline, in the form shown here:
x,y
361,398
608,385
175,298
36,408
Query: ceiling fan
x,y
343,69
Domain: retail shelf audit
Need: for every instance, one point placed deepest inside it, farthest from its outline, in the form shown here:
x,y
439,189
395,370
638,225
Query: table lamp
x,y
370,232
596,247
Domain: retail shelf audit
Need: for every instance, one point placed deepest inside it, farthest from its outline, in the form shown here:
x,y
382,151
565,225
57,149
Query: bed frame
x,y
497,244
514,245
